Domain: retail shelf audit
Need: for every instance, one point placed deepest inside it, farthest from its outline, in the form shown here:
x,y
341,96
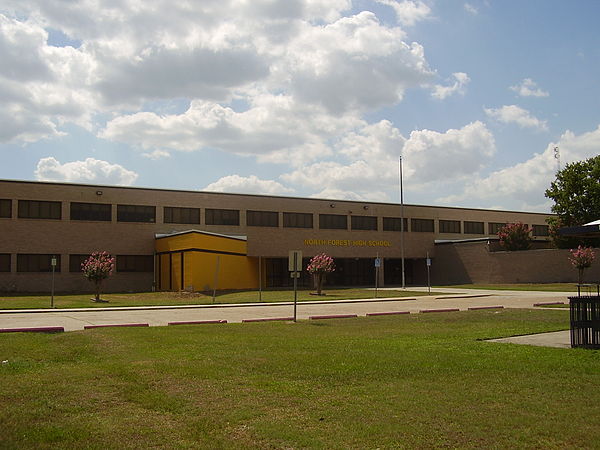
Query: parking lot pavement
x,y
73,320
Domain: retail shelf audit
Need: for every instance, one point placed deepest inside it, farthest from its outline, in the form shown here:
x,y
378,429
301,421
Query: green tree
x,y
576,195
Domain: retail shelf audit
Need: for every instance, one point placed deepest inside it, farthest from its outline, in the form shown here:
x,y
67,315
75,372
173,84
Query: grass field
x,y
403,381
17,301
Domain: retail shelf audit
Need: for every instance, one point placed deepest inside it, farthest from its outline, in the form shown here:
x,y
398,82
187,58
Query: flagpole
x,y
401,220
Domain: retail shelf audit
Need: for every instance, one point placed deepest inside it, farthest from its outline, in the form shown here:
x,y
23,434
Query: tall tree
x,y
576,195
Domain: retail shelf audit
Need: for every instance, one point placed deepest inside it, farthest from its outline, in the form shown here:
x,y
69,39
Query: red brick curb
x,y
334,316
549,303
33,330
439,310
391,313
268,319
89,327
475,308
197,322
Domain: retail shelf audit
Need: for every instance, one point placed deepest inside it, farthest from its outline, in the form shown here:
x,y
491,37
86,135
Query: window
x,y
421,225
4,262
5,208
135,263
363,222
222,217
181,215
333,222
91,211
393,224
449,226
541,230
37,263
262,218
494,227
297,220
136,213
34,209
474,228
75,262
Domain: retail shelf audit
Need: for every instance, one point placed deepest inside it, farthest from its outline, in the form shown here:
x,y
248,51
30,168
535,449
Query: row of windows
x,y
33,262
33,209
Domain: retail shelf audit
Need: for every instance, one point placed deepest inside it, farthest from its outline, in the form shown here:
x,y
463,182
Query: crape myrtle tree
x,y
576,195
97,268
581,258
515,236
319,266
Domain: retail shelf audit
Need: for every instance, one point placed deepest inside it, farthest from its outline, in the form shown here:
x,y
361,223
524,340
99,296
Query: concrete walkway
x,y
465,299
559,339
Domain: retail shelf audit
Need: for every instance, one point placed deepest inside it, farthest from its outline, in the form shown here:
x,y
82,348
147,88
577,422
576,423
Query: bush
x,y
515,236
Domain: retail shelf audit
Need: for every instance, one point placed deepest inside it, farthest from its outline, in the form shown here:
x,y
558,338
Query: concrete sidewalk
x,y
76,319
558,339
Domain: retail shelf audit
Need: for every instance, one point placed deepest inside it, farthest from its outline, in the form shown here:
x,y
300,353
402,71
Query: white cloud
x,y
156,155
248,185
524,183
373,153
441,92
471,9
408,12
516,114
88,171
529,88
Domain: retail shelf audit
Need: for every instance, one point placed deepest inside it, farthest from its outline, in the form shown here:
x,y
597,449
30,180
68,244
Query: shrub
x,y
515,236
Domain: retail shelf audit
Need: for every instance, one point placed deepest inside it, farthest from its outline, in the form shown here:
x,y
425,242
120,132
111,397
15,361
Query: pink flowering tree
x,y
581,258
319,266
515,236
98,267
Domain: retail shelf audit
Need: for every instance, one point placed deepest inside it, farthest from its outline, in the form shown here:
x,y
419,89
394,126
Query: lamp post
x,y
401,219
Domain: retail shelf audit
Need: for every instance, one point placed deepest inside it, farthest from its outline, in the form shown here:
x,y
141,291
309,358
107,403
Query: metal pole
x,y
295,275
52,294
376,274
428,262
259,279
401,221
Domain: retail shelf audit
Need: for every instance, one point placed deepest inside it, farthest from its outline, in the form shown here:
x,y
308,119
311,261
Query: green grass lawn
x,y
18,301
545,287
418,381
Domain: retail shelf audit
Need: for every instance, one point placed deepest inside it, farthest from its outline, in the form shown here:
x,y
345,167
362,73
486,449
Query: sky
x,y
303,98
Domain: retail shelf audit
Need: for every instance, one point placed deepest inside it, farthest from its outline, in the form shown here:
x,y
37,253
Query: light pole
x,y
401,219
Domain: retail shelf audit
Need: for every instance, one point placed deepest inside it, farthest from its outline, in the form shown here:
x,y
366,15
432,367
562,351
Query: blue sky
x,y
313,98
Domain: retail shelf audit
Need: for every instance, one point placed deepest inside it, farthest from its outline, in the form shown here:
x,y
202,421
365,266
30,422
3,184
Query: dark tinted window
x,y
394,223
36,263
181,215
449,226
35,209
135,263
541,230
262,218
473,227
297,220
91,211
363,222
422,225
4,262
5,208
222,217
494,227
333,222
136,213
75,262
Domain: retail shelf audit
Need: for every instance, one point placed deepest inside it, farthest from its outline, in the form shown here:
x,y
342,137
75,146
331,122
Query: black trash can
x,y
585,321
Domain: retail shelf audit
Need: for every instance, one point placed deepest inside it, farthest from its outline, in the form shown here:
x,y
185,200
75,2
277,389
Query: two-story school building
x,y
174,239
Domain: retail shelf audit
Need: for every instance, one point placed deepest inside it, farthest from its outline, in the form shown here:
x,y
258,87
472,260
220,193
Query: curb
x,y
439,310
391,313
197,322
334,316
33,330
89,327
268,319
475,308
549,303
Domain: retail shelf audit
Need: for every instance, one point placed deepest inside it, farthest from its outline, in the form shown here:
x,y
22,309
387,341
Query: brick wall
x,y
472,262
